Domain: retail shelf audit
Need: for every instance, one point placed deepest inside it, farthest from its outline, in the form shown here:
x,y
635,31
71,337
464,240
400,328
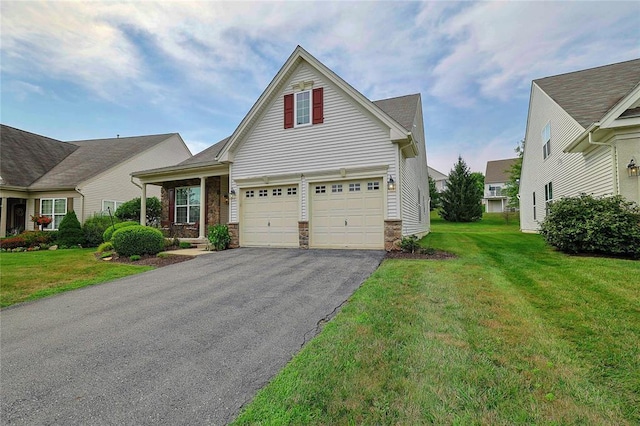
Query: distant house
x,y
313,164
495,181
40,175
583,136
439,178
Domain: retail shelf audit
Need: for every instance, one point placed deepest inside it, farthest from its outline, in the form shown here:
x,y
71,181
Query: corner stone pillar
x,y
392,235
303,234
234,233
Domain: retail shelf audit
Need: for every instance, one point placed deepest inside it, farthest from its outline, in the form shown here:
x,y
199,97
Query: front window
x,y
188,204
303,108
55,209
109,205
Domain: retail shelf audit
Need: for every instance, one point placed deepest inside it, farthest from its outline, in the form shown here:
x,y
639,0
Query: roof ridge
x,y
31,133
587,69
125,137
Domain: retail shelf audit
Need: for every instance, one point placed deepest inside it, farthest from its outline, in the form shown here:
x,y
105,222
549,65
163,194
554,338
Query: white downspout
x,y
82,196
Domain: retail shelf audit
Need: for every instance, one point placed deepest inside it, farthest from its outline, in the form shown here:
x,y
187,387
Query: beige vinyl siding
x,y
115,184
570,173
415,212
349,137
31,204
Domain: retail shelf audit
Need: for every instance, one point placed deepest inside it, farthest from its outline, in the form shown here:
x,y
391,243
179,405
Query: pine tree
x,y
69,231
461,201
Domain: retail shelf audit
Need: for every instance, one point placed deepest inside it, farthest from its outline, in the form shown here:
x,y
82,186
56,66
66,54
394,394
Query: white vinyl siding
x,y
115,183
571,173
349,137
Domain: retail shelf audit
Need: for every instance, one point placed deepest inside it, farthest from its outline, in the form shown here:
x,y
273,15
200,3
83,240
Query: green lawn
x,y
36,274
511,332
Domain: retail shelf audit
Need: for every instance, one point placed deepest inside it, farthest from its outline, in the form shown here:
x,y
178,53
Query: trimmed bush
x,y
94,228
587,224
138,240
108,233
410,244
107,246
70,231
13,242
219,237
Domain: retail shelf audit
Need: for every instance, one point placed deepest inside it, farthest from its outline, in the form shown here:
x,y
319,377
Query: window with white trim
x,y
110,205
302,108
534,206
55,209
187,204
548,196
354,187
546,141
336,188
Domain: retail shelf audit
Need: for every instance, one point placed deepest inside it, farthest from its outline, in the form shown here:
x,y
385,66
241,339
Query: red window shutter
x,y
318,106
172,204
288,111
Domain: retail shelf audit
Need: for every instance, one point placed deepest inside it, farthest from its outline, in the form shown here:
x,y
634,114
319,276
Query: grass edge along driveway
x,y
511,332
33,275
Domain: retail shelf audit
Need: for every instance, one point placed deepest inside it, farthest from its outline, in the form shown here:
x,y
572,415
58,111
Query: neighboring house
x,y
40,175
313,164
439,178
495,179
583,136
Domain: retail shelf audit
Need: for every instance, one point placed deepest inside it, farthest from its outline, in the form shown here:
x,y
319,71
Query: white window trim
x,y
545,135
116,204
295,108
188,206
53,215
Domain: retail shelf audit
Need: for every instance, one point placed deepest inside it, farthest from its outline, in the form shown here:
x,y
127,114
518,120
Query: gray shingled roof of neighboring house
x,y
498,170
208,155
589,94
25,156
402,109
92,157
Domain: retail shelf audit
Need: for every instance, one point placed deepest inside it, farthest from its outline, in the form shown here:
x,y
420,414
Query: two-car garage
x,y
342,214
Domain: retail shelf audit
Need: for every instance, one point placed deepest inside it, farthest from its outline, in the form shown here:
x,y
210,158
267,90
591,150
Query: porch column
x,y
203,207
3,218
143,205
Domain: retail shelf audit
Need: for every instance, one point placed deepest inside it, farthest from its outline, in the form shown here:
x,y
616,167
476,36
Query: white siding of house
x,y
350,137
115,184
415,212
570,173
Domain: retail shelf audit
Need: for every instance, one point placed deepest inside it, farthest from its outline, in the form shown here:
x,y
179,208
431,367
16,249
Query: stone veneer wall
x,y
392,234
212,205
234,232
303,234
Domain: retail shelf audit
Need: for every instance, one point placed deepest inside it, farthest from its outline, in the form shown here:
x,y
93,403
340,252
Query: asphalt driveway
x,y
189,343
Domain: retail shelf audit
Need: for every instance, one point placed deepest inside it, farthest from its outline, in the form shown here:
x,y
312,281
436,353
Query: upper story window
x,y
55,209
546,141
187,204
304,108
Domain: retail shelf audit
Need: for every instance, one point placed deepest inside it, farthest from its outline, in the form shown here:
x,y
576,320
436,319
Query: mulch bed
x,y
149,260
435,255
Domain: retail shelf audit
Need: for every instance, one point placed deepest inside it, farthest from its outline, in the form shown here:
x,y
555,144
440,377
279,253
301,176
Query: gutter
x,y
81,195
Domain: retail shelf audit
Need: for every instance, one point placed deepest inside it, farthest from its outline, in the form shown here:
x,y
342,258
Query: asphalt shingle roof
x,y
402,109
25,156
588,95
498,170
208,155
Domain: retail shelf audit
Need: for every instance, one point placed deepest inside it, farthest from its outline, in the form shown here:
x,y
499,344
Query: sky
x,y
97,69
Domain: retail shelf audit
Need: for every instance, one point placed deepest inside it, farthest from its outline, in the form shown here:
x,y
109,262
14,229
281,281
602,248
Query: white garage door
x,y
269,216
347,214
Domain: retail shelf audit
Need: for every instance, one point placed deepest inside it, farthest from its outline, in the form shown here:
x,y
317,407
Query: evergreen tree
x,y
461,201
131,210
434,195
69,231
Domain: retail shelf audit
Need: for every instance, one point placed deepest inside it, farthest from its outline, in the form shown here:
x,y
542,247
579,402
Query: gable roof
x,y
402,109
208,156
435,174
498,170
93,157
589,94
27,156
299,55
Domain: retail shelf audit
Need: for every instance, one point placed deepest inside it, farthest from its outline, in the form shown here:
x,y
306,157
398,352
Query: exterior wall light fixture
x,y
391,184
633,170
232,194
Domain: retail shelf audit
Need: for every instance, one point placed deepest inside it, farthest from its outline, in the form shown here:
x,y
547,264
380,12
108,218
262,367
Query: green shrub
x,y
94,228
13,242
106,246
219,237
70,231
108,233
131,210
410,244
138,240
134,258
185,245
587,224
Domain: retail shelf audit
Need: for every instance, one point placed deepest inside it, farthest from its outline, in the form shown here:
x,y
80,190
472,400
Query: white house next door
x,y
347,214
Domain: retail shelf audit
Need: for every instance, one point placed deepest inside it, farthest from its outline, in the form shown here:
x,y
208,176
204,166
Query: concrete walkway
x,y
188,343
